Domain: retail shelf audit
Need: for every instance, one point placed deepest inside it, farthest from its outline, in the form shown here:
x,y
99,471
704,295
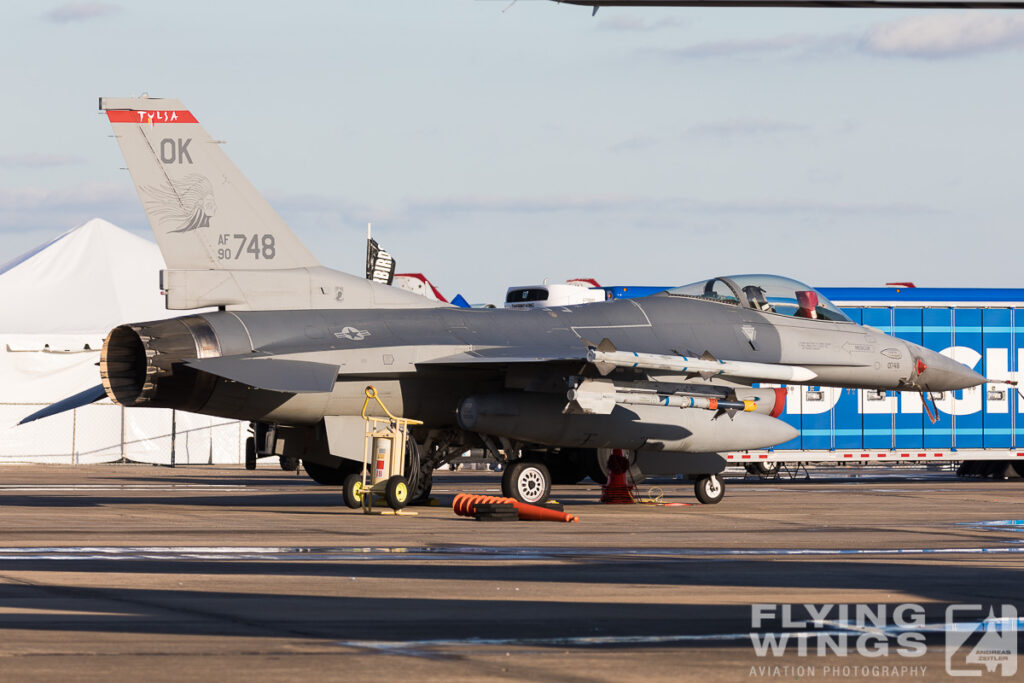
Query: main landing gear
x,y
526,481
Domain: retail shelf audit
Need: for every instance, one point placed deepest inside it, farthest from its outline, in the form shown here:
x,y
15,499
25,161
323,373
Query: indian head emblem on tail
x,y
184,208
673,378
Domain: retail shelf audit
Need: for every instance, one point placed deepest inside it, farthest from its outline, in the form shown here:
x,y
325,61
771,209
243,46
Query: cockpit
x,y
766,293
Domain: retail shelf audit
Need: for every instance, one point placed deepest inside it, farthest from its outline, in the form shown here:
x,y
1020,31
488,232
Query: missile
x,y
594,398
606,358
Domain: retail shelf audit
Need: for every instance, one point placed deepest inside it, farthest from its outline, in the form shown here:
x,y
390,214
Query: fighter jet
x,y
293,346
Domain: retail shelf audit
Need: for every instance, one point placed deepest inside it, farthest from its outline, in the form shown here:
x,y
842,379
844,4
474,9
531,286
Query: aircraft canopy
x,y
767,293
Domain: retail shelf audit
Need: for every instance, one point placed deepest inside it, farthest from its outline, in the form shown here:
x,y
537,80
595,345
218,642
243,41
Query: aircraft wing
x,y
272,374
876,4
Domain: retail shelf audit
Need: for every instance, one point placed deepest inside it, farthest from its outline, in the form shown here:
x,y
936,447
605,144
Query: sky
x,y
494,144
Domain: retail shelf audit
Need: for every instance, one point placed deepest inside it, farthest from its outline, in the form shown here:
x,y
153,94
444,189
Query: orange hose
x,y
465,505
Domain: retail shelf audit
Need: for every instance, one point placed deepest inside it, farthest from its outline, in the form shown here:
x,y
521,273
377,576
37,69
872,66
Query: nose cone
x,y
945,374
782,432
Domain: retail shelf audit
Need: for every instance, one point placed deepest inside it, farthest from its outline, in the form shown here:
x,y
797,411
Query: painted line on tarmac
x,y
1011,525
419,553
123,487
421,648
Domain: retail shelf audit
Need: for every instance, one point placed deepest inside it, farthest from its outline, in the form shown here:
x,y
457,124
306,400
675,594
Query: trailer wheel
x,y
709,489
352,491
396,492
289,463
250,453
527,482
763,469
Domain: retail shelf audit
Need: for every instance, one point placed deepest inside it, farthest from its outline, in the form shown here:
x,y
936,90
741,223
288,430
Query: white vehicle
x,y
579,291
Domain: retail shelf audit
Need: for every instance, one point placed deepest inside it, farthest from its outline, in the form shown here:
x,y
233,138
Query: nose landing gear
x,y
709,489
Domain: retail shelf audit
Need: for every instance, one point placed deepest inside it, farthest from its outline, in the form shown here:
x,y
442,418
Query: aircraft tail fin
x,y
203,211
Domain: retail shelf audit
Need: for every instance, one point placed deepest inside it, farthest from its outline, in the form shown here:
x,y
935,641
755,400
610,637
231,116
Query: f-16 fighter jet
x,y
293,345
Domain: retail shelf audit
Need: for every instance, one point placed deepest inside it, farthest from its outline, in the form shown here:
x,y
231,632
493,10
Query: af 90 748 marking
x,y
253,246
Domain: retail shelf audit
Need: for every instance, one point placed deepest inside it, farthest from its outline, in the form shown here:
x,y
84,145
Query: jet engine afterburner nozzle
x,y
140,364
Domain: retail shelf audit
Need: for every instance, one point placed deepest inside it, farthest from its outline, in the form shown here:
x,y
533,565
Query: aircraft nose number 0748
x,y
231,247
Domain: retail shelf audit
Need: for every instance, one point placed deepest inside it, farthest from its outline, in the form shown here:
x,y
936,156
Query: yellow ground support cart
x,y
384,450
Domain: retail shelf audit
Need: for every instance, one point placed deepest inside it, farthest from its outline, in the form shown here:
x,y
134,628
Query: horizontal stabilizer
x,y
272,374
82,398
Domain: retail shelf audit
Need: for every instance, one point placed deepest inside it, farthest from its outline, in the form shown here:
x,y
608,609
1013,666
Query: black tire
x,y
766,469
250,453
421,496
506,481
600,460
352,491
331,476
709,489
289,464
527,482
565,466
396,492
593,467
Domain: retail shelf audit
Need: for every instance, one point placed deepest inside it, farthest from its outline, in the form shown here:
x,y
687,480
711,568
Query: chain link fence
x,y
106,432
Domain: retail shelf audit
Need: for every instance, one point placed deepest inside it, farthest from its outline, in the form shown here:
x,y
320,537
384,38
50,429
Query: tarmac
x,y
210,572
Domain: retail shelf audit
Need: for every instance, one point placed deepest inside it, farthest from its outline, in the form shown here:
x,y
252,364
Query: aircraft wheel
x,y
289,464
566,467
636,475
527,482
594,470
396,492
423,485
250,453
331,476
506,480
352,491
709,489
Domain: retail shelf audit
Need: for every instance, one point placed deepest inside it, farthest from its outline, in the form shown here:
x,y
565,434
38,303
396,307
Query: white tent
x,y
57,302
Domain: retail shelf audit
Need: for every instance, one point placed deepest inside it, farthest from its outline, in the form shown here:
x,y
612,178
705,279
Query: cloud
x,y
38,160
71,12
628,23
549,204
34,208
746,128
633,144
322,210
937,36
732,48
668,206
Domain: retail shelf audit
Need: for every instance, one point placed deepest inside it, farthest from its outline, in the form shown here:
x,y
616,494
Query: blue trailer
x,y
982,328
